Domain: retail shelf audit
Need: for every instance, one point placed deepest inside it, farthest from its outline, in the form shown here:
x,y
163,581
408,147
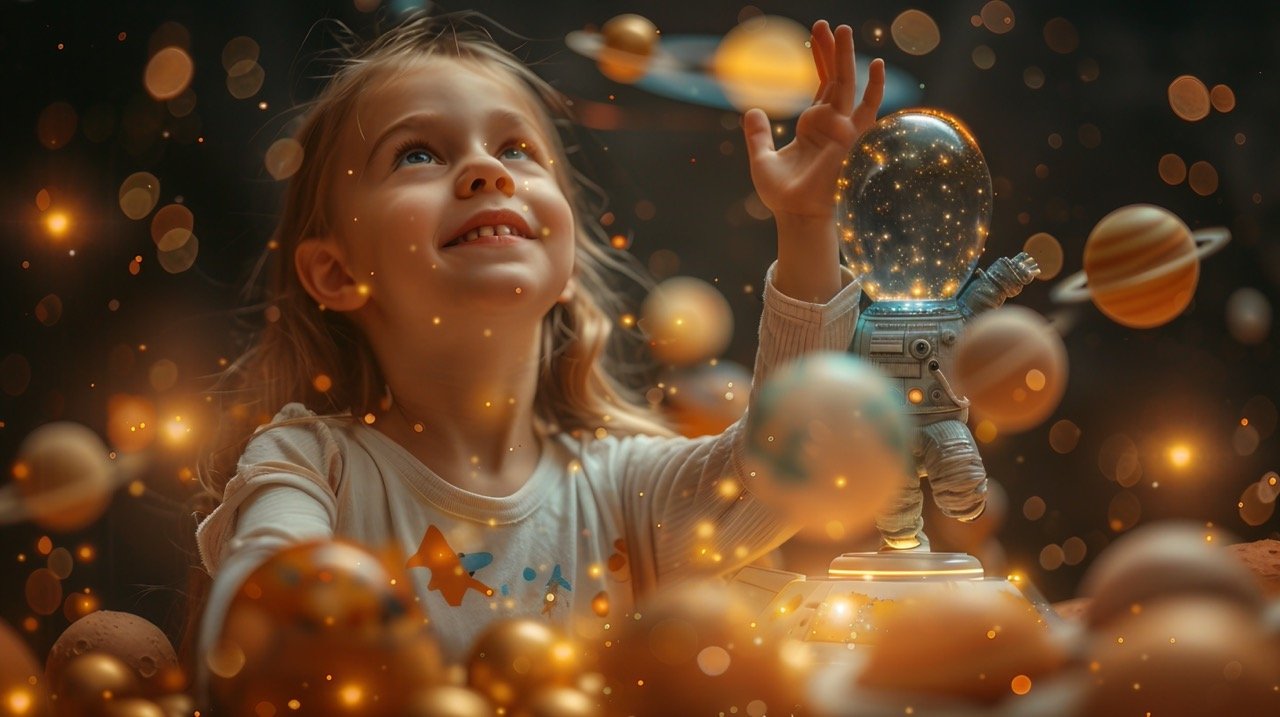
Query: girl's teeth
x,y
500,230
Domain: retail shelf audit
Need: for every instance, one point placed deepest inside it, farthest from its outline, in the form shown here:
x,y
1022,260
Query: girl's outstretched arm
x,y
798,182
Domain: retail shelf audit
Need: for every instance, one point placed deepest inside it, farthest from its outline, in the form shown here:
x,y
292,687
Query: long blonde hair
x,y
578,388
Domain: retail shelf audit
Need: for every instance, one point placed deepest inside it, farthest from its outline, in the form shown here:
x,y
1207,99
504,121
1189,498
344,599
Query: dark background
x,y
1187,382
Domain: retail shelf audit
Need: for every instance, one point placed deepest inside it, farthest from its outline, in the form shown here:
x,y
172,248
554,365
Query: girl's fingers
x,y
865,114
823,45
846,77
756,132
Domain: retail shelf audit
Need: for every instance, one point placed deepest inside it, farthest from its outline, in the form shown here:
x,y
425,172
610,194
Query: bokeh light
x,y
915,33
1047,252
168,73
997,16
138,194
56,125
1249,316
1189,98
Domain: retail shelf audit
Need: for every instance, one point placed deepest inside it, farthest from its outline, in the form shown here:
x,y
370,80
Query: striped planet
x,y
1142,266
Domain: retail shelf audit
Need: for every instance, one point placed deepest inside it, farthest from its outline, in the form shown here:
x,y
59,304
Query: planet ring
x,y
680,69
1075,288
15,507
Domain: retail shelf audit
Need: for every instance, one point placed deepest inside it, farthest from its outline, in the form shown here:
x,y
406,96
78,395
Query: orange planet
x,y
1141,265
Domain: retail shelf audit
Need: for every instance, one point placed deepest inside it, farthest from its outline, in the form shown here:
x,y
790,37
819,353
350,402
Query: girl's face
x,y
447,198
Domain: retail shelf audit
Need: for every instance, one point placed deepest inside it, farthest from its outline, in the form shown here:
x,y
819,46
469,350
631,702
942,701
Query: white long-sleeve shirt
x,y
600,523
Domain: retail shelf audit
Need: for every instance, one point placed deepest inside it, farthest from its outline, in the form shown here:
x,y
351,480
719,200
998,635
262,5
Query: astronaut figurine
x,y
913,343
915,203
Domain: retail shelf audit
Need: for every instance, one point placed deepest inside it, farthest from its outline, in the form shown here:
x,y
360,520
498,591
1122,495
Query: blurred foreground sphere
x,y
961,644
329,624
629,42
1164,560
22,685
132,639
915,207
1185,657
1012,366
828,441
694,650
687,320
64,475
1141,265
513,658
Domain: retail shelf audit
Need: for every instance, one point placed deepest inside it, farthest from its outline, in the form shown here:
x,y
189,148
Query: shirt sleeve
x,y
687,503
283,493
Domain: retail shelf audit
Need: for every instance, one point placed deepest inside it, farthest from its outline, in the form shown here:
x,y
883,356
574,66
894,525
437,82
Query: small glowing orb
x,y
57,223
1180,455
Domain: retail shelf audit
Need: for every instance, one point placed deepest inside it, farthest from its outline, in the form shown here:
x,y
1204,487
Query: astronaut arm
x,y
1001,281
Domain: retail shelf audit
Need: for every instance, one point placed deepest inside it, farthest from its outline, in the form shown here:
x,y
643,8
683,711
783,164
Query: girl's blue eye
x,y
517,152
417,156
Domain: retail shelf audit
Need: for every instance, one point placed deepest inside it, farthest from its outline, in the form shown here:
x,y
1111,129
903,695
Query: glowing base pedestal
x,y
837,612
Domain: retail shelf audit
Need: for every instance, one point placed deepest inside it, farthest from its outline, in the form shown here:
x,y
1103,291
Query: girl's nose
x,y
485,175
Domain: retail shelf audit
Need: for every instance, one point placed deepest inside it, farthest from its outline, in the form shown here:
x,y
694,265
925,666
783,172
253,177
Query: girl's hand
x,y
798,182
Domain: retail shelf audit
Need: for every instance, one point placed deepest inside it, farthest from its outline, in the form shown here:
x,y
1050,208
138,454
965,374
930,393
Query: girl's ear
x,y
323,272
570,288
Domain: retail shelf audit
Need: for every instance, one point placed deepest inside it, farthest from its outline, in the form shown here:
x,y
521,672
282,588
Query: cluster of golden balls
x,y
331,628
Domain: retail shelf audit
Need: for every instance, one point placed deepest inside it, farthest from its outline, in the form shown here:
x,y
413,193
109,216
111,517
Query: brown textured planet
x,y
1262,557
134,640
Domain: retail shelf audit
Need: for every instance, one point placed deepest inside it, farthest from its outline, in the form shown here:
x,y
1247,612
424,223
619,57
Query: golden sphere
x,y
448,701
961,644
133,707
88,681
629,41
512,658
560,702
687,320
1142,266
134,640
329,617
21,681
1163,560
64,475
1012,366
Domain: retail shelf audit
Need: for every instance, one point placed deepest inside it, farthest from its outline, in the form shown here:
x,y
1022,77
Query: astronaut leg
x,y
901,525
957,476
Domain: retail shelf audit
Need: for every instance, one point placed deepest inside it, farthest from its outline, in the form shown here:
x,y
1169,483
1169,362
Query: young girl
x,y
439,362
